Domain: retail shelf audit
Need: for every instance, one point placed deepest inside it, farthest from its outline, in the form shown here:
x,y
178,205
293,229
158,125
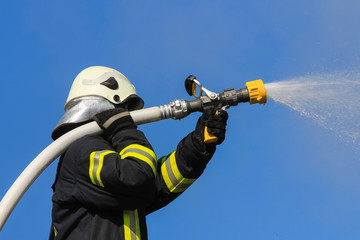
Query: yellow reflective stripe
x,y
142,153
141,157
91,168
101,163
145,149
137,222
172,176
175,168
96,164
55,231
131,225
166,178
127,231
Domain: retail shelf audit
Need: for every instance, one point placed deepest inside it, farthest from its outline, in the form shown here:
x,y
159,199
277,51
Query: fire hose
x,y
254,92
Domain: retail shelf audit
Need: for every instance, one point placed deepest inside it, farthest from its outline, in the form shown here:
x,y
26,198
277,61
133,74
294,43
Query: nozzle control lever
x,y
191,87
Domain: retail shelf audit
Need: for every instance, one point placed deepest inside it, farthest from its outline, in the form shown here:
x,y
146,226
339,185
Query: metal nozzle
x,y
254,92
257,91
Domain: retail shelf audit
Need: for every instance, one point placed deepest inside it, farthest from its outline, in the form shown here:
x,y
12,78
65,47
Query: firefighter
x,y
106,185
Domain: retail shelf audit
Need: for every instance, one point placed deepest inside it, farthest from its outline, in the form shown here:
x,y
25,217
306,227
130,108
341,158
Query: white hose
x,y
53,151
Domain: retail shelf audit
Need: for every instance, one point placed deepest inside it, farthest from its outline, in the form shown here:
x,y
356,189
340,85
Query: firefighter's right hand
x,y
114,120
216,125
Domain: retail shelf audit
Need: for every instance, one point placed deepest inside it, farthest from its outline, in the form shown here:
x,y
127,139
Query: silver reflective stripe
x,y
96,165
139,151
172,177
114,118
131,225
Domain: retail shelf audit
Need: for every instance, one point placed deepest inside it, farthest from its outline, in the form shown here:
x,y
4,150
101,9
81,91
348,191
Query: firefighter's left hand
x,y
114,120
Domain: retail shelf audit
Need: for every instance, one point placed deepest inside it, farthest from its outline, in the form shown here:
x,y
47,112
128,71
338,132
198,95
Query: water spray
x,y
206,100
330,100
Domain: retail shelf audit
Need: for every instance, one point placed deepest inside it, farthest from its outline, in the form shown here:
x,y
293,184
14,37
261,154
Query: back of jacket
x,y
105,186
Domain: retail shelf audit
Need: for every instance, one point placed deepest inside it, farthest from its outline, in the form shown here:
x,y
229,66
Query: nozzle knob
x,y
257,91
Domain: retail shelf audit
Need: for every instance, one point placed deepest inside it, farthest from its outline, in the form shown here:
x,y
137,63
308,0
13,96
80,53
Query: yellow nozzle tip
x,y
257,91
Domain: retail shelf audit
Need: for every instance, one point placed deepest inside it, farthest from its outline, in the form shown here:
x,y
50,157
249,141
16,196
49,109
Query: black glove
x,y
114,120
216,125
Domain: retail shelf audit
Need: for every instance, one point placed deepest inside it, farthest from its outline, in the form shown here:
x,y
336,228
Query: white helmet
x,y
96,89
107,83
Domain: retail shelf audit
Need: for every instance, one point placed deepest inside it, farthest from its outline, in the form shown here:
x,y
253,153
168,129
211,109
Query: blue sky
x,y
277,175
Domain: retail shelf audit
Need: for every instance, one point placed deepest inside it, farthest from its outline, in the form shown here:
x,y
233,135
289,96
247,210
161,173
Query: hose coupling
x,y
178,109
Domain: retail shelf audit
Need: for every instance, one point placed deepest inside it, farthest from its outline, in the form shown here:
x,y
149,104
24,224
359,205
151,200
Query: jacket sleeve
x,y
178,170
117,173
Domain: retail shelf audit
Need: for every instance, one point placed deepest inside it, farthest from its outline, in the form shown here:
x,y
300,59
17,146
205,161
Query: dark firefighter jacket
x,y
104,188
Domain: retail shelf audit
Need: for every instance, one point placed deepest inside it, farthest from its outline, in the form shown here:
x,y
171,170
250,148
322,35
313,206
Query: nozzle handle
x,y
208,137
